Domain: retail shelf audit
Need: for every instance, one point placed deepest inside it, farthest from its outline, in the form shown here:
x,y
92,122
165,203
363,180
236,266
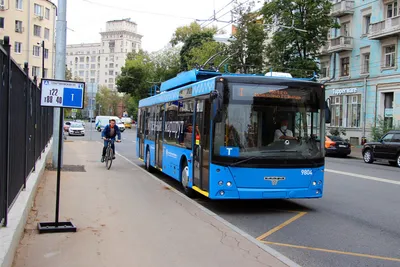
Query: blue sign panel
x,y
229,151
72,97
63,94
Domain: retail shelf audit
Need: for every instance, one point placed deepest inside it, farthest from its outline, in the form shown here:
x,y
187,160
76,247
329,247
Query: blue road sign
x,y
72,97
63,94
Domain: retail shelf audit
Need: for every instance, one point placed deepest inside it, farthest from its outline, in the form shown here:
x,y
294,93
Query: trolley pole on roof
x,y
61,47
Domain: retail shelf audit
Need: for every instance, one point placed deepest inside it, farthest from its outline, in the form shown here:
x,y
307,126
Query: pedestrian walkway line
x,y
377,179
279,227
333,251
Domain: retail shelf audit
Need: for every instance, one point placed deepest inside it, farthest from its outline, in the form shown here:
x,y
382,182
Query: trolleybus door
x,y
159,135
202,145
140,133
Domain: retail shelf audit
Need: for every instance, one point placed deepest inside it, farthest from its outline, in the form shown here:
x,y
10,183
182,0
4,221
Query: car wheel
x,y
398,160
368,157
185,181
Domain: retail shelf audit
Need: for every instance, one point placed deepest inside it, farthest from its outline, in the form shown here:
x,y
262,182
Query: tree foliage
x,y
381,128
291,50
107,101
247,48
181,34
136,75
200,54
195,40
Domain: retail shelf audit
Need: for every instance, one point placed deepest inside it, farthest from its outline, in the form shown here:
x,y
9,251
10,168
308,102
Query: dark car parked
x,y
335,145
386,149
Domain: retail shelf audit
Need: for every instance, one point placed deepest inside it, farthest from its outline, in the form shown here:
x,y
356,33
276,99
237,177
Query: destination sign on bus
x,y
248,92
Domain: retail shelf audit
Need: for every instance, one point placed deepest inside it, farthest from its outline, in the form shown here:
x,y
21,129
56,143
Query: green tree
x,y
193,41
68,74
166,64
181,34
248,46
200,54
107,101
136,75
291,50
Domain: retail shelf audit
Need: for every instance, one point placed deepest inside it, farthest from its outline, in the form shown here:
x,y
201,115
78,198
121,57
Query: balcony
x,y
383,29
324,50
342,8
341,43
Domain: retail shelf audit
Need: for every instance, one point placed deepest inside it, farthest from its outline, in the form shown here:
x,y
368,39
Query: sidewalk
x,y
127,218
356,152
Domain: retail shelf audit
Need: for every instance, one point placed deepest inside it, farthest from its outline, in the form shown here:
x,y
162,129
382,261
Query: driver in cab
x,y
283,133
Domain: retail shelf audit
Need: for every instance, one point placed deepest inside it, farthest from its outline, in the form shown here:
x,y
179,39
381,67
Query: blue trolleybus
x,y
220,135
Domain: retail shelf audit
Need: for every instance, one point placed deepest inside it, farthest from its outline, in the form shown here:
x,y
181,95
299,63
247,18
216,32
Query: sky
x,y
156,19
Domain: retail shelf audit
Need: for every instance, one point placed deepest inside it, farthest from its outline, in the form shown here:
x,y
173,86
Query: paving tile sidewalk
x,y
126,218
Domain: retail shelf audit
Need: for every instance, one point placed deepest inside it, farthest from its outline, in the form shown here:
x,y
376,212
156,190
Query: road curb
x,y
265,247
11,235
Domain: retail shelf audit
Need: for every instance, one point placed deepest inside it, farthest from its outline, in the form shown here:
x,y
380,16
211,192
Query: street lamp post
x,y
43,55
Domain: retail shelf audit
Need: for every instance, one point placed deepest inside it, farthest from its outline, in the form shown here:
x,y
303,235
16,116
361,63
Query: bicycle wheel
x,y
109,158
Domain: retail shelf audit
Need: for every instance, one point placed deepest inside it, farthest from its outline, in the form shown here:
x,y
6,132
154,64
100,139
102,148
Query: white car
x,y
76,128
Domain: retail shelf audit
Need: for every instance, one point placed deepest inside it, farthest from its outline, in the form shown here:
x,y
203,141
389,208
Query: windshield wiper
x,y
243,161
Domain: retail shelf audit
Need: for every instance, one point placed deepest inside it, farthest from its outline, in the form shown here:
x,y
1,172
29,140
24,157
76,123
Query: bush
x,y
381,128
337,131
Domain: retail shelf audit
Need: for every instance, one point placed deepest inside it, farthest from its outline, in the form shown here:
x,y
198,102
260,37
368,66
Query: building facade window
x,y
353,111
35,71
110,72
36,50
37,30
366,23
389,56
18,47
345,29
87,66
324,69
46,53
1,23
81,66
92,73
45,71
111,65
93,58
344,66
37,9
46,34
18,26
110,80
81,73
391,9
337,110
92,80
365,63
93,66
81,59
18,4
47,13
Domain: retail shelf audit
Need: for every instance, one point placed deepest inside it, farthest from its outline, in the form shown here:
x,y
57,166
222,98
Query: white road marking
x,y
377,179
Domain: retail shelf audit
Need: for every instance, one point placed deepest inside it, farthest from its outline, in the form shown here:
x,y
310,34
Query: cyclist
x,y
108,134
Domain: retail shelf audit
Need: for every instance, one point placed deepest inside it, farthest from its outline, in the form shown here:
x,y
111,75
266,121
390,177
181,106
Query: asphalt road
x,y
356,223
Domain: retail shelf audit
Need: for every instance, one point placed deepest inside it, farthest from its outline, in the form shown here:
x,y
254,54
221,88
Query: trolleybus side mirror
x,y
327,113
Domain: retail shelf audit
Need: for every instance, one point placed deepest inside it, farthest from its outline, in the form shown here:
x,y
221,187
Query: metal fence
x,y
25,128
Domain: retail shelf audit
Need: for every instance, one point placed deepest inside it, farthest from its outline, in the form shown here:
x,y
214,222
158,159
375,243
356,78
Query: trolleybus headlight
x,y
228,183
318,192
221,193
314,183
220,183
319,182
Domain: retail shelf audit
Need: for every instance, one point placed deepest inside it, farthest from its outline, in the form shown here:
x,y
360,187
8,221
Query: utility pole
x,y
61,46
43,54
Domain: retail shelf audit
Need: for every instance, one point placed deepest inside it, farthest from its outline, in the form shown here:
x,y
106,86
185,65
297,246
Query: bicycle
x,y
109,153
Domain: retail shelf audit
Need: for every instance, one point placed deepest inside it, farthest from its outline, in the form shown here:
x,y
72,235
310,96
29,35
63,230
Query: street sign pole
x,y
60,94
61,47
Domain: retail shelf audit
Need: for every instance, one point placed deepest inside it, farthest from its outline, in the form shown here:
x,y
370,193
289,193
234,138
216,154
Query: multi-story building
x,y
360,65
29,24
101,63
